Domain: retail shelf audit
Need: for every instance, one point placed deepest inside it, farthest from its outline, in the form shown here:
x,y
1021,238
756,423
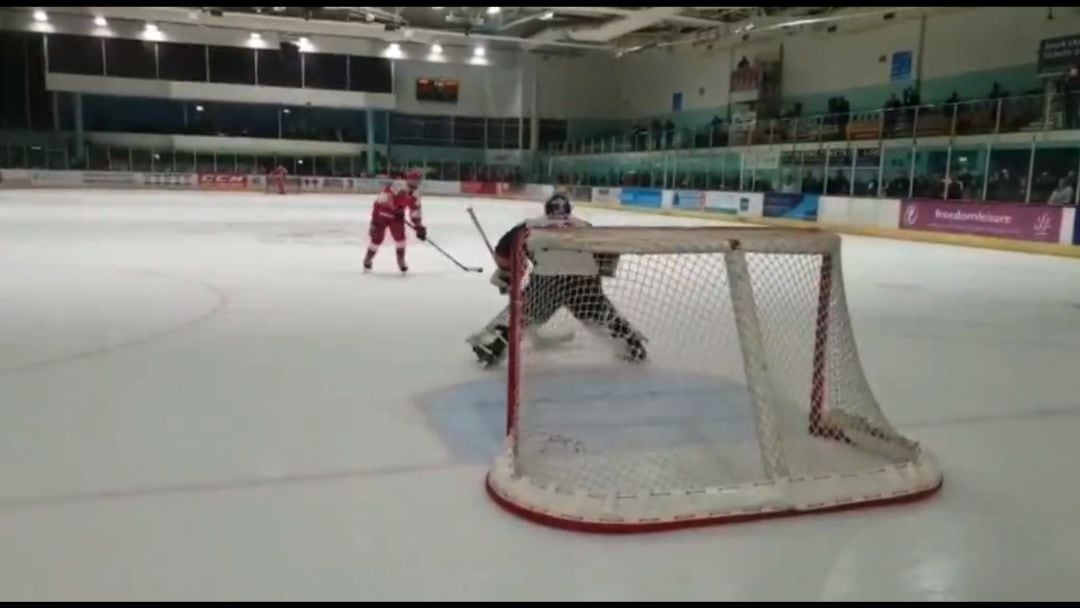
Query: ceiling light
x,y
436,49
493,10
100,21
547,16
40,16
479,51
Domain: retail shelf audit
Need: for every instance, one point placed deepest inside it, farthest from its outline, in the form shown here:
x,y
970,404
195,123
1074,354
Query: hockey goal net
x,y
750,400
293,184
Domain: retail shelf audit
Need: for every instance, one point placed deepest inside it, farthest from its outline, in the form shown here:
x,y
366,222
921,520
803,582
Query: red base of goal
x,y
639,527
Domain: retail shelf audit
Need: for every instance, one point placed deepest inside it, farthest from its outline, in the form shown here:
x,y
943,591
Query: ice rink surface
x,y
204,397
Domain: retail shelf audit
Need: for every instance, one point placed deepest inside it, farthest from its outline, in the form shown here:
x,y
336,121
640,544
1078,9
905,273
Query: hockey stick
x,y
448,256
480,229
538,340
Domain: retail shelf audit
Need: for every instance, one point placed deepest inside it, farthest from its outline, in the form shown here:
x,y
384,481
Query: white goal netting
x,y
712,375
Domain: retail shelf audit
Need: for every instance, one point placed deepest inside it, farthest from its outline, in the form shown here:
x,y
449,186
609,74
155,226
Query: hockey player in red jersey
x,y
277,178
388,213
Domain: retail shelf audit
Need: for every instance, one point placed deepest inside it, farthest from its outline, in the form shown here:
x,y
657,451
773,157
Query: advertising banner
x,y
652,198
56,179
535,192
726,202
479,188
169,180
108,178
1057,55
14,178
581,194
441,187
689,199
607,196
791,206
1015,221
222,181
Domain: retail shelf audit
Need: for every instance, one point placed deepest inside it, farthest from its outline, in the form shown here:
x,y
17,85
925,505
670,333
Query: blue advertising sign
x,y
652,198
791,206
901,66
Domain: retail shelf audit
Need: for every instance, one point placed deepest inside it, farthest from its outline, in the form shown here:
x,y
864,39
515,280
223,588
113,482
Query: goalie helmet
x,y
558,205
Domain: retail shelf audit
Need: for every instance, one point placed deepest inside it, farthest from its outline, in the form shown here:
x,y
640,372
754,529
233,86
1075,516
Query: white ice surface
x,y
203,397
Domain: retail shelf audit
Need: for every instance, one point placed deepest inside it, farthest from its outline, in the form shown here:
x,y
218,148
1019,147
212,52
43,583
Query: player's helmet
x,y
557,205
413,178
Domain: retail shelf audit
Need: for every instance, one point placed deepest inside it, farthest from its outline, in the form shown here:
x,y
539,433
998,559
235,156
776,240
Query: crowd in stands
x,y
899,116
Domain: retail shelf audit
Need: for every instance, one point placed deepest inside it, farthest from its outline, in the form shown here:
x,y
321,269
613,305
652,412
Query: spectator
x,y
891,107
911,101
669,131
1063,194
655,131
743,63
839,184
995,91
950,104
844,110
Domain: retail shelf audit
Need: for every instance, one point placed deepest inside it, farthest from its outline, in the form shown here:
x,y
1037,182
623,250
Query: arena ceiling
x,y
618,29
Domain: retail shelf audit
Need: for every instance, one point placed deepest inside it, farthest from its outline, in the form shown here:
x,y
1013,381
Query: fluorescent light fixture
x,y
479,51
393,51
305,45
40,16
101,21
494,10
151,32
285,111
198,108
436,49
547,16
256,36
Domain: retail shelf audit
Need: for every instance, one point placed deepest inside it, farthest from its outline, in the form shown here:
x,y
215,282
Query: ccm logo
x,y
212,178
222,181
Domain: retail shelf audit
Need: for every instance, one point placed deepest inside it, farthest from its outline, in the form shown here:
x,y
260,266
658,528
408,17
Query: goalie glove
x,y
501,279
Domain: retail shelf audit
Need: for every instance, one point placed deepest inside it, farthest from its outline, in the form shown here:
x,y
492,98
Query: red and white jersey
x,y
395,200
279,171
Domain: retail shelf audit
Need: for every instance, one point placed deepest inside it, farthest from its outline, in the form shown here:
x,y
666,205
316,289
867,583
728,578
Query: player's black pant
x,y
582,295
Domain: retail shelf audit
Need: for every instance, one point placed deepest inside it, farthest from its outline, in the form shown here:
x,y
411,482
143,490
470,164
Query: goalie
x,y
563,278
